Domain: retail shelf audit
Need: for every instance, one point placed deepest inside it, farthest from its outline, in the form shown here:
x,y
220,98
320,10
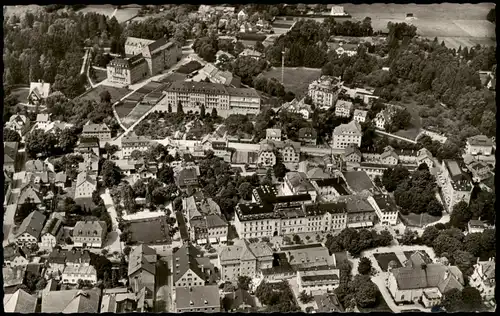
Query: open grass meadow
x,y
21,94
100,75
125,108
137,112
122,15
93,94
296,80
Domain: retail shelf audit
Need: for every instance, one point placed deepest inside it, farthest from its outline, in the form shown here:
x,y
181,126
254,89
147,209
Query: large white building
x,y
479,145
457,186
346,134
226,100
325,91
132,142
483,278
343,108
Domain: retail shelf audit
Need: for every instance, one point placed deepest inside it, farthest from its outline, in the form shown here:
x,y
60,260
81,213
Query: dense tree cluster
x,y
491,16
418,194
355,241
278,297
44,144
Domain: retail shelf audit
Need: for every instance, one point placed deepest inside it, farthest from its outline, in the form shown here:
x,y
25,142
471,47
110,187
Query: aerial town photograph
x,y
250,157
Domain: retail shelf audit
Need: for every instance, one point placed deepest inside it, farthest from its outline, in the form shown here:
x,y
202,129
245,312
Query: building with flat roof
x,y
324,91
458,186
385,208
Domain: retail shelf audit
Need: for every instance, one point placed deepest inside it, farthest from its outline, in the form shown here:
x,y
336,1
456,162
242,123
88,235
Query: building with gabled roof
x,y
99,131
118,300
296,183
328,303
71,301
38,92
19,302
298,106
360,115
142,271
427,281
382,119
352,153
483,279
458,186
30,229
324,91
89,234
308,136
187,267
17,122
52,233
72,274
14,256
10,156
479,145
203,299
346,134
343,108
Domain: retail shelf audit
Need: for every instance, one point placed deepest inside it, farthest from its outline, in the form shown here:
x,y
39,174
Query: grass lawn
x,y
383,260
413,219
116,93
174,77
135,114
151,230
21,94
124,109
100,75
416,122
296,80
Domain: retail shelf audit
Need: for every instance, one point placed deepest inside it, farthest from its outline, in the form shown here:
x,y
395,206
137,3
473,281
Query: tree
x,y
491,16
429,235
245,190
10,135
169,108
214,113
296,239
105,97
110,149
305,298
41,284
111,175
244,282
473,244
259,47
452,301
464,261
444,243
179,107
471,299
365,291
280,170
68,139
409,237
68,240
461,215
365,266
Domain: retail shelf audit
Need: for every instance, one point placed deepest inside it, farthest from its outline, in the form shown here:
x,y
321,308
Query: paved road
x,y
113,240
310,150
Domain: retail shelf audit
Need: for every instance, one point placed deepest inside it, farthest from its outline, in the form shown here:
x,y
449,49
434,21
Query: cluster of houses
x,y
229,21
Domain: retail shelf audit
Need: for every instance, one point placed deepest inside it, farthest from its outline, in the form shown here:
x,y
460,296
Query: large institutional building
x,y
325,91
225,100
143,58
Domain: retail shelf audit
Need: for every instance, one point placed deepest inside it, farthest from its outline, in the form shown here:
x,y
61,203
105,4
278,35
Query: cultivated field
x,y
125,108
121,15
135,114
296,80
21,94
100,75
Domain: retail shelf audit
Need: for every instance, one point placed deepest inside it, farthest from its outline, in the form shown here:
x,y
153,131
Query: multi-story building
x,y
10,156
127,71
189,268
382,118
89,234
324,91
244,259
346,134
425,156
300,107
385,208
86,184
17,122
201,299
352,153
142,268
476,226
343,108
273,134
13,256
30,229
321,280
479,145
51,234
330,188
99,131
296,183
308,136
267,154
216,228
457,186
483,279
133,142
360,213
226,100
360,115
72,274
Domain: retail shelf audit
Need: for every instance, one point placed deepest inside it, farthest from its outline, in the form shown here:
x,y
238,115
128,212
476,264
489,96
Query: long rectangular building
x,y
226,100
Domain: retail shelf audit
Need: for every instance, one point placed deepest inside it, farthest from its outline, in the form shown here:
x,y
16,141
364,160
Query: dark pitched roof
x,y
32,224
358,180
184,259
308,132
142,257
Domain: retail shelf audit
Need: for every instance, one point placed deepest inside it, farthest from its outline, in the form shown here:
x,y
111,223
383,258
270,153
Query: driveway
x,y
113,242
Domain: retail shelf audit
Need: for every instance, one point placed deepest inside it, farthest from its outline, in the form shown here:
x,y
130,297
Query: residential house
x,y
10,150
457,186
389,157
242,15
38,92
360,213
56,262
316,173
61,180
216,228
118,300
86,184
19,302
322,280
71,301
423,281
476,226
132,142
425,156
479,145
30,229
42,121
251,53
296,183
90,234
13,256
18,122
360,115
300,107
483,279
324,91
73,274
289,151
217,76
52,233
479,170
382,118
88,145
266,154
346,134
308,136
385,208
90,163
240,300
344,48
203,299
309,257
142,271
352,153
328,303
187,176
245,259
99,131
343,108
273,134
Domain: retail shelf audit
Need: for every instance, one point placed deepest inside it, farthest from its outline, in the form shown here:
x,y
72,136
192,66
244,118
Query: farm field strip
x,y
296,80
